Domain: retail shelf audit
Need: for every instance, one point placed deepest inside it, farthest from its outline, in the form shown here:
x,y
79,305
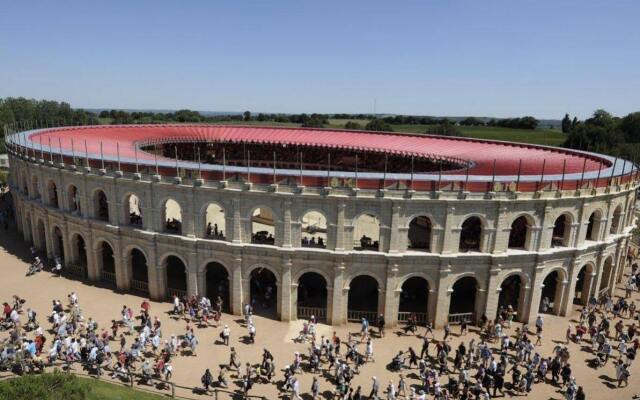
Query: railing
x,y
319,313
140,286
468,317
176,292
215,392
421,317
108,276
76,270
602,292
357,315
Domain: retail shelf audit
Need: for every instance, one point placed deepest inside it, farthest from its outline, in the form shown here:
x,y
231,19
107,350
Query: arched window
x,y
463,300
313,230
133,210
471,234
139,271
172,217
367,233
74,199
263,226
35,186
420,234
176,276
101,205
215,222
593,228
519,235
615,222
52,192
561,231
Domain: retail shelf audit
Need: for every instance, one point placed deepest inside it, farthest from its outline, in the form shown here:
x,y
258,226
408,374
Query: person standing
x,y
225,335
375,388
315,388
207,380
381,323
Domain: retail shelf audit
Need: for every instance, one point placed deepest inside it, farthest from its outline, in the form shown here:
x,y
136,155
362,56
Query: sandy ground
x,y
104,304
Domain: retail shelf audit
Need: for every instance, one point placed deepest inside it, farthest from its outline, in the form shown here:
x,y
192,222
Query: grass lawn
x,y
101,390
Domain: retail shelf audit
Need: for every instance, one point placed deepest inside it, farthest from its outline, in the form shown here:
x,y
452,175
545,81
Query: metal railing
x,y
176,292
421,317
357,315
76,270
468,317
108,276
319,313
140,286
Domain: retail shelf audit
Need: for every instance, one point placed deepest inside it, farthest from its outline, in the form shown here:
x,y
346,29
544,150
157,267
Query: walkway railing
x,y
357,315
306,312
421,317
459,317
140,286
77,270
108,276
176,292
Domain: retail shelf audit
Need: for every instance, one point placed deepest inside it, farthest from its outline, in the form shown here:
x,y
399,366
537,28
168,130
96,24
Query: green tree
x,y
566,124
352,125
246,116
378,125
313,122
444,129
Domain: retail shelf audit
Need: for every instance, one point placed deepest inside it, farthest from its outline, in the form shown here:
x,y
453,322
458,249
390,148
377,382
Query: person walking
x,y
224,335
207,380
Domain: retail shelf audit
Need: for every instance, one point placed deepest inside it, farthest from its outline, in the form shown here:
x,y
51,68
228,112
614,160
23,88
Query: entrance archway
x,y
139,271
264,293
414,299
463,300
510,297
217,284
551,295
605,280
79,256
58,243
176,276
420,234
593,228
312,296
41,234
363,299
106,263
583,285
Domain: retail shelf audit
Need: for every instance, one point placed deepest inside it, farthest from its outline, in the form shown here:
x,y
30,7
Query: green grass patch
x,y
101,390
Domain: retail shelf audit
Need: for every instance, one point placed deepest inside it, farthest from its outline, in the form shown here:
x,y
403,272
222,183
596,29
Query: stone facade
x,y
49,226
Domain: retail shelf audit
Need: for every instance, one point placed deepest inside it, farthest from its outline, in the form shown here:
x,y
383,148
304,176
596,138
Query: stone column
x,y
237,286
123,272
451,233
595,284
340,234
567,304
493,290
329,303
192,274
488,235
523,301
338,305
286,224
560,295
392,296
236,227
443,297
284,292
93,270
188,228
544,241
395,239
432,305
535,294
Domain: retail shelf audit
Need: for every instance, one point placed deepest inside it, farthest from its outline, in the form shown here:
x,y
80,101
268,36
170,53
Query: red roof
x,y
481,153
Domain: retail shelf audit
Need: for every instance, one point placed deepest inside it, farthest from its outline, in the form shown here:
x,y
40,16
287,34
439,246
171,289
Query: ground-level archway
x,y
58,243
41,235
217,284
79,259
363,299
511,296
463,300
176,276
552,290
414,300
264,293
312,296
139,271
583,285
605,280
106,263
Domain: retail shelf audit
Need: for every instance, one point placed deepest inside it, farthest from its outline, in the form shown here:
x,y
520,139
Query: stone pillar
x,y
192,274
567,304
451,233
286,224
200,224
443,297
523,301
236,227
535,294
493,290
487,240
123,272
237,286
547,231
340,234
432,305
93,269
395,239
284,292
560,295
436,239
338,304
188,228
501,234
392,296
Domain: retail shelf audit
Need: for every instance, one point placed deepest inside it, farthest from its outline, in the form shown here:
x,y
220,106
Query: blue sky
x,y
485,58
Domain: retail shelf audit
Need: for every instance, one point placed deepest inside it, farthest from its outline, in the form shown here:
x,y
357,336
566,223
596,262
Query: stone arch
x,y
312,295
172,216
471,232
138,268
552,290
105,257
512,292
363,300
362,240
100,204
35,186
78,246
520,233
57,240
615,220
319,271
419,233
584,283
264,284
132,209
73,199
41,235
247,271
214,221
415,292
606,279
52,194
176,273
463,298
217,283
562,230
263,225
593,226
313,229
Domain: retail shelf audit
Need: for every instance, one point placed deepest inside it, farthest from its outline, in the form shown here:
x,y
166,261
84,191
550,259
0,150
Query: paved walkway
x,y
104,305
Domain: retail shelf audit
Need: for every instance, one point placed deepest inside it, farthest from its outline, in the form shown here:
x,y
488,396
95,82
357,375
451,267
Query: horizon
x,y
498,60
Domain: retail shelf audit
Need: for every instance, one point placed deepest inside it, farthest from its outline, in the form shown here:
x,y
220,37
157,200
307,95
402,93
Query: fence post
x,y
173,390
215,394
130,379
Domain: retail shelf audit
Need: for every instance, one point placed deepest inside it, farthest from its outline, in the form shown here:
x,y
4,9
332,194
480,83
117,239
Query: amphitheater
x,y
336,224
